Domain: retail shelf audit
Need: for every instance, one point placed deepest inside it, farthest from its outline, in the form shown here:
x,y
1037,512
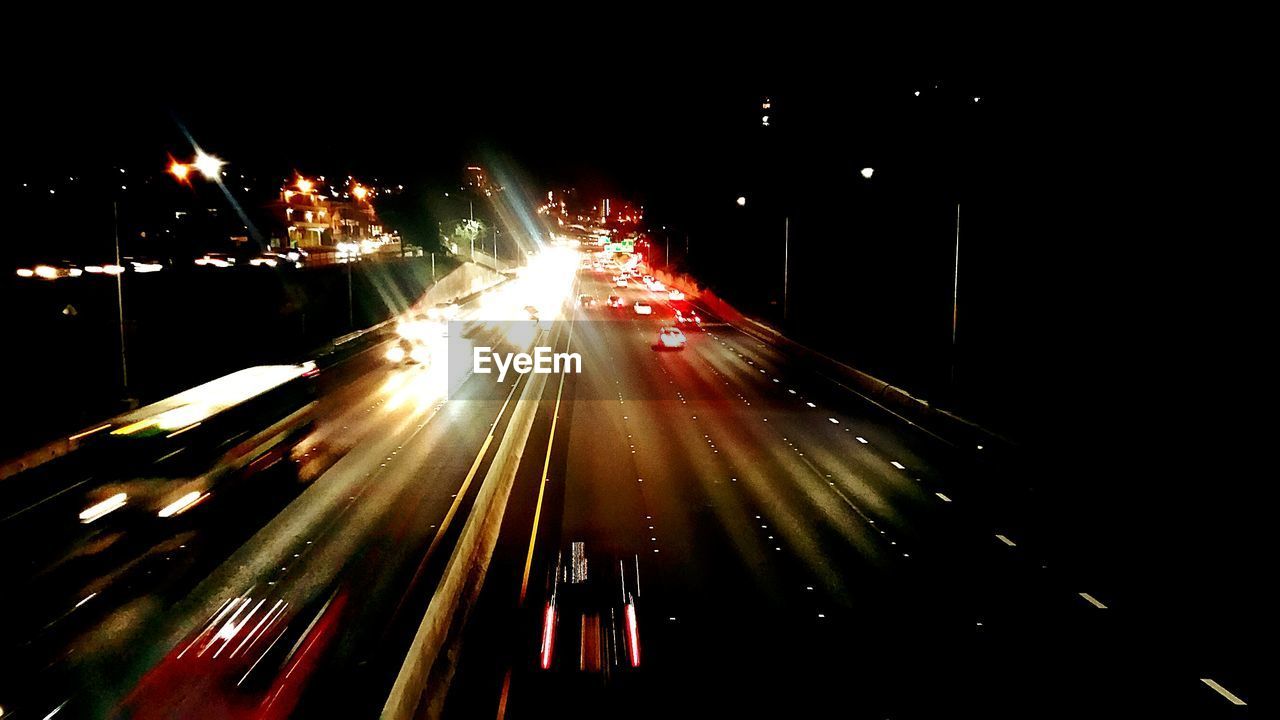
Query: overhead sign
x,y
625,246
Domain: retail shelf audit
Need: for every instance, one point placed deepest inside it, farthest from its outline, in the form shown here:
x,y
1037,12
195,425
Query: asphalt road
x,y
796,550
349,545
790,549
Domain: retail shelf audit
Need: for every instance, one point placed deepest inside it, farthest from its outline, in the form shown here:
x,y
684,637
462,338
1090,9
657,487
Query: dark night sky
x,y
1086,163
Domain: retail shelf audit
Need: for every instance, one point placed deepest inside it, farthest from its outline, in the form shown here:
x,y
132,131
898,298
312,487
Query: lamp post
x,y
786,258
124,358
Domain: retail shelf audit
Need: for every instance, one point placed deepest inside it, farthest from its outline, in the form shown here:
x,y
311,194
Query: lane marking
x,y
897,464
1093,601
942,497
861,439
1230,696
542,486
1006,541
834,421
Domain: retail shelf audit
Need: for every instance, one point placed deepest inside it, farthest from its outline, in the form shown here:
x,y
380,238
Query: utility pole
x,y
786,266
124,361
955,297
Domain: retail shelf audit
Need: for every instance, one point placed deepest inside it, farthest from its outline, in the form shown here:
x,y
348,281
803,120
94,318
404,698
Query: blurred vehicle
x,y
590,624
267,260
615,301
671,337
685,313
252,659
219,260
51,272
408,352
648,279
443,311
642,308
169,457
621,282
586,301
675,294
657,286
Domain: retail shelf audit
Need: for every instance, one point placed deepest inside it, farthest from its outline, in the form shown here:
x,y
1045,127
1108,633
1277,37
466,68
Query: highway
x,y
796,549
344,549
787,549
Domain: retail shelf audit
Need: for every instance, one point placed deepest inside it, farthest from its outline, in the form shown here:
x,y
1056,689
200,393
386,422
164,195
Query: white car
x,y
675,294
643,308
657,286
621,282
671,337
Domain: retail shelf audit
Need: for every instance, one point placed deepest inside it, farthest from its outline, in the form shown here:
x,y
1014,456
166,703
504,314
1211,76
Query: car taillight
x,y
633,635
548,634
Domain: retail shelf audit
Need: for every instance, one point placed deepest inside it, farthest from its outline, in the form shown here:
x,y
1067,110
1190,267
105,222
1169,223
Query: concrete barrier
x,y
465,281
465,572
942,425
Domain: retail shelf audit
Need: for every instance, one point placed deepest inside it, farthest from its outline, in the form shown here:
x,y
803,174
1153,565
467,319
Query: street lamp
x,y
179,170
361,192
208,165
742,201
305,186
868,172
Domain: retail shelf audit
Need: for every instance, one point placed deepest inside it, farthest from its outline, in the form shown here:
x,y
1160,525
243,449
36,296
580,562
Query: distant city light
x,y
868,172
743,201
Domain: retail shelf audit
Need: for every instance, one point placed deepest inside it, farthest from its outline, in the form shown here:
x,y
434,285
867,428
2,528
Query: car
x,y
648,279
671,337
253,659
675,294
443,311
408,352
214,259
685,313
657,286
642,308
586,301
620,282
615,301
590,623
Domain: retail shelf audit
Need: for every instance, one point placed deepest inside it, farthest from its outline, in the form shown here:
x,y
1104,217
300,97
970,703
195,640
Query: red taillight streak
x,y
548,634
633,636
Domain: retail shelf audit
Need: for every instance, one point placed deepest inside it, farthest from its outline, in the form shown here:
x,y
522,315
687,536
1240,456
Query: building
x,y
313,221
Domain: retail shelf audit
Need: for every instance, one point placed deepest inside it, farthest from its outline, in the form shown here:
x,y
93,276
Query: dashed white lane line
x,y
861,439
1006,541
834,421
897,464
942,497
1230,696
811,405
1093,601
